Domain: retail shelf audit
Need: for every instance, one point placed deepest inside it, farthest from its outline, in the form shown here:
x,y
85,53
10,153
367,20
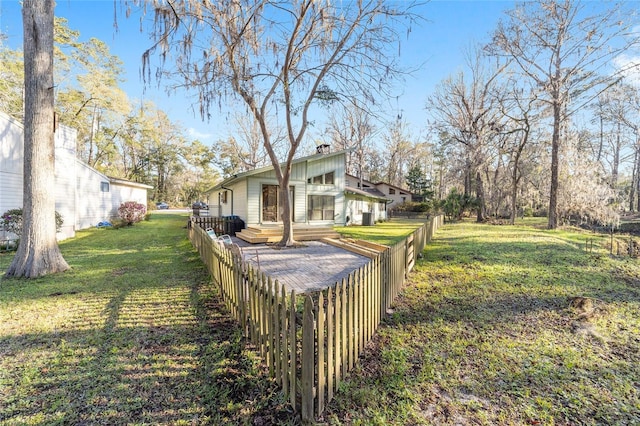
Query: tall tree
x,y
245,150
564,50
280,58
398,152
465,107
351,129
38,252
519,107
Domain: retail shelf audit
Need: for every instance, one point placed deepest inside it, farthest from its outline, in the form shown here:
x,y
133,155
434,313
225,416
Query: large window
x,y
321,207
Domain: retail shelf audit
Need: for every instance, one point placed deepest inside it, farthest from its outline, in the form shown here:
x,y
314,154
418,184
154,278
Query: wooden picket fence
x,y
310,342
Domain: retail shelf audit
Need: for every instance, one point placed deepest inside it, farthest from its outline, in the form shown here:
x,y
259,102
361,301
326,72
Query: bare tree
x,y
38,252
280,58
351,129
519,107
245,150
398,152
466,109
564,53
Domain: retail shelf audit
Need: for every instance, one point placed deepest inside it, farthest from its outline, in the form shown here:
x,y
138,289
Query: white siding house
x,y
318,192
84,196
394,194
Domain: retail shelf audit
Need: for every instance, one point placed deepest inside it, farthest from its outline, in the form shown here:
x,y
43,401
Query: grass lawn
x,y
133,334
486,333
387,233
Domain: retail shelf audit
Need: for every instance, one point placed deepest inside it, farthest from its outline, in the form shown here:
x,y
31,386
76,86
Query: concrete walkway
x,y
303,269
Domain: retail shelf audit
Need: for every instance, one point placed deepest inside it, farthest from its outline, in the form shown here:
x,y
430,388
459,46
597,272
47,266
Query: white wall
x,y
92,204
122,192
11,162
65,171
79,198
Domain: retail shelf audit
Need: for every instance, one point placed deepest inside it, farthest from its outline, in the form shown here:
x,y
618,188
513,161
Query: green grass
x,y
387,233
134,333
484,333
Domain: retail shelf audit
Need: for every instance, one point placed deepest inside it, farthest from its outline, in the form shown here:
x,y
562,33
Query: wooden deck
x,y
273,233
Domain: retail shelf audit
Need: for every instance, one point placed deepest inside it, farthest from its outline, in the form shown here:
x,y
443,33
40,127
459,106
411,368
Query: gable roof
x,y
239,176
371,193
381,183
123,182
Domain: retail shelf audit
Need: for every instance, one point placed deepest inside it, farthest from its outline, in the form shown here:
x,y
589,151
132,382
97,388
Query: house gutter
x,y
229,189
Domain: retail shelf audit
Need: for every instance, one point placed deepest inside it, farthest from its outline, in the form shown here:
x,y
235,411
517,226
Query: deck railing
x,y
310,342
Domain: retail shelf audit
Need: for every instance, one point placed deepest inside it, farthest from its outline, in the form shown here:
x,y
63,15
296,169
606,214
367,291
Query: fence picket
x,y
331,372
293,367
338,332
308,359
321,380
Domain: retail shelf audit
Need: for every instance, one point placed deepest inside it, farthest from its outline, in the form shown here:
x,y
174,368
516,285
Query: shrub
x,y
12,221
131,212
456,204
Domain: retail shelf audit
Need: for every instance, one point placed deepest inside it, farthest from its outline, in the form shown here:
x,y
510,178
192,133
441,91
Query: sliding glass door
x,y
271,211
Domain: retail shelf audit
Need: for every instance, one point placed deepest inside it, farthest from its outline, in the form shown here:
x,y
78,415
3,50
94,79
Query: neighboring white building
x,y
84,196
394,194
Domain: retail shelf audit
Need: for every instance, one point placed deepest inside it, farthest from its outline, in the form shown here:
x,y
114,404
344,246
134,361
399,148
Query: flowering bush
x,y
131,212
12,221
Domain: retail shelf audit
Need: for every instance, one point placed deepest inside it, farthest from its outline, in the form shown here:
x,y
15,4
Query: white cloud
x,y
195,134
629,67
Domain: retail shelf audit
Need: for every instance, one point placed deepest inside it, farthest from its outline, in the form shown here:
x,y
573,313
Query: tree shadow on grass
x,y
135,357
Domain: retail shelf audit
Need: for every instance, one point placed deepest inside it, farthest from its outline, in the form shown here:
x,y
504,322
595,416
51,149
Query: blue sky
x,y
436,46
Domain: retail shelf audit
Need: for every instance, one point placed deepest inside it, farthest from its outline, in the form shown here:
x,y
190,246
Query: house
x,y
84,196
394,194
318,190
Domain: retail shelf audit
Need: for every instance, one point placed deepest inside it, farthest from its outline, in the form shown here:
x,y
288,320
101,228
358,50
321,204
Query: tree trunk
x,y
634,175
555,148
514,194
616,160
285,208
38,252
480,195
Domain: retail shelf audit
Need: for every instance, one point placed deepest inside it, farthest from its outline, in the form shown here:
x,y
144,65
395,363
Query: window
x,y
321,207
104,186
326,179
223,197
392,191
